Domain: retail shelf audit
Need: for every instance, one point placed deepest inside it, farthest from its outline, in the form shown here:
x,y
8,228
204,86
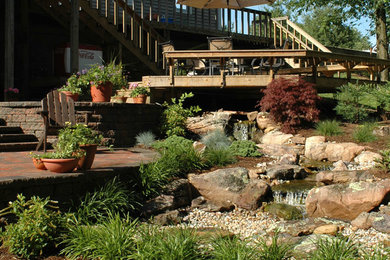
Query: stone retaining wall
x,y
118,122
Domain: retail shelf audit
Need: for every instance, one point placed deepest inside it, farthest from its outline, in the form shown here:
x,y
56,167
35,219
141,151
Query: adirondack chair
x,y
57,109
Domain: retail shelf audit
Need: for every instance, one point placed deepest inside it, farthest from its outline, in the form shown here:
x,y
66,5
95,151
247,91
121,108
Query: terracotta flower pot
x,y
69,94
101,92
38,164
140,99
86,161
60,165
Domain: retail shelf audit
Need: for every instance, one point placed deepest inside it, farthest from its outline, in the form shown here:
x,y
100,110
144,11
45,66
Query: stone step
x,y
14,138
20,146
10,130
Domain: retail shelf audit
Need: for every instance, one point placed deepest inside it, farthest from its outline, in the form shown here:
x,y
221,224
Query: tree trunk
x,y
381,38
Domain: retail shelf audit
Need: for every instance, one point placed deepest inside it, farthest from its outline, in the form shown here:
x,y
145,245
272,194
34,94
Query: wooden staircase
x,y
13,139
113,19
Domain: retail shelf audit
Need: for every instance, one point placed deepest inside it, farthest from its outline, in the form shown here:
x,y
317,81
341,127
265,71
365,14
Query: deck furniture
x,y
56,111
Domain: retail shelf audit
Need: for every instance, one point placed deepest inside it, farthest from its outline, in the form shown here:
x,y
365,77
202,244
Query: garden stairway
x,y
12,138
113,19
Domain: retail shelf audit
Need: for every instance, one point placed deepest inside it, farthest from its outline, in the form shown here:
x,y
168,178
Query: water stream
x,y
244,130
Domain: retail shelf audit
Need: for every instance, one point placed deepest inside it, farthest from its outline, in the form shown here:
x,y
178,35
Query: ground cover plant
x,y
145,139
364,133
328,128
245,148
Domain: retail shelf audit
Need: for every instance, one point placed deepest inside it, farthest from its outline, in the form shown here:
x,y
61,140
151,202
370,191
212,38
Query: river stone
x,y
289,159
173,217
286,172
363,221
205,205
367,157
284,211
315,148
333,177
342,151
276,137
229,187
330,229
382,223
159,204
346,201
278,150
340,166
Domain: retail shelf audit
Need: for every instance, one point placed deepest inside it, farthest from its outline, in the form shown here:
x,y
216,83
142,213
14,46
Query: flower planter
x,y
85,162
60,165
140,99
38,164
101,92
69,94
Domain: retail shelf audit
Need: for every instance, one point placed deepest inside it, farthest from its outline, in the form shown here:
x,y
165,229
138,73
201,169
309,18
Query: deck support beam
x,y
9,45
74,36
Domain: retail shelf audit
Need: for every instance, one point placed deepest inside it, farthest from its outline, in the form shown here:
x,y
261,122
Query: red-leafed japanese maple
x,y
292,102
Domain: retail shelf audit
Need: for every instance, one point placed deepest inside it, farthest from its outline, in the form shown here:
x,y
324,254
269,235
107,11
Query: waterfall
x,y
244,130
294,198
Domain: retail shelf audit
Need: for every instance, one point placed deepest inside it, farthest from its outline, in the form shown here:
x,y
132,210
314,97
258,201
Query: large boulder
x,y
315,148
278,150
346,201
377,220
231,187
263,121
286,172
209,122
342,151
334,177
276,137
367,158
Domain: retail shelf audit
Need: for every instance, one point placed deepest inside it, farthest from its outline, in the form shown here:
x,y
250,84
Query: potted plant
x,y
139,93
61,161
74,85
36,158
11,94
102,79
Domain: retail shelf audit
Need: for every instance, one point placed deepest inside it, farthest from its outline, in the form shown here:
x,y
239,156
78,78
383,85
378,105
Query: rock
x,y
278,150
270,129
377,220
182,191
229,187
208,122
284,211
298,140
159,204
315,148
286,172
334,177
330,229
367,158
340,166
276,137
252,115
199,146
385,209
254,173
173,217
342,151
363,221
381,222
382,130
264,122
205,205
346,201
289,159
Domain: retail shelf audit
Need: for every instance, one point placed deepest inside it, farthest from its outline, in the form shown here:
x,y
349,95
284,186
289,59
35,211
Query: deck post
x,y
9,45
171,76
24,20
74,36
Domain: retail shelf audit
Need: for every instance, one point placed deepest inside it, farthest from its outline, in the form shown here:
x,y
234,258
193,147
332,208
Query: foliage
x,y
11,90
111,72
76,83
166,244
381,93
245,148
38,227
338,247
290,102
350,104
329,128
175,115
64,154
378,253
219,156
146,139
232,248
112,198
274,251
152,177
171,143
364,133
384,161
216,139
137,89
111,239
80,134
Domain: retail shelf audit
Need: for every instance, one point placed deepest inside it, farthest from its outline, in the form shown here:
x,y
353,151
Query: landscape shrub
x,y
168,244
339,247
353,102
113,197
364,133
381,92
275,250
218,157
245,148
111,239
329,128
145,139
290,102
216,139
232,248
172,143
175,116
39,225
384,161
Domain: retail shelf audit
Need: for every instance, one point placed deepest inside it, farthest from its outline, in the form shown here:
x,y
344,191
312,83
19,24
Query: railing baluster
x,y
242,22
248,21
235,22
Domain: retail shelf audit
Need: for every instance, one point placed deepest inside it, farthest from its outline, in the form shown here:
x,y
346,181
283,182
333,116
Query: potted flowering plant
x,y
139,93
11,94
75,85
103,78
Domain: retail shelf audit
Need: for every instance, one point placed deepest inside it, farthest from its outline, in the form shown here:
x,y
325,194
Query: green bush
x,y
216,139
232,248
338,247
113,197
364,133
275,250
171,143
329,128
175,115
145,139
168,244
219,157
384,162
39,224
245,148
111,239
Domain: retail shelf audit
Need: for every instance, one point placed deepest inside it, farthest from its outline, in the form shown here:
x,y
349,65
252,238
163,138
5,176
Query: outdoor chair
x,y
57,109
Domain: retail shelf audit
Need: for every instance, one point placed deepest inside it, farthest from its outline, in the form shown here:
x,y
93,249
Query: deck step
x,y
19,146
13,138
10,130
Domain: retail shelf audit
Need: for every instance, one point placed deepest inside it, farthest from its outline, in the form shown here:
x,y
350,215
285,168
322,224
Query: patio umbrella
x,y
235,4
